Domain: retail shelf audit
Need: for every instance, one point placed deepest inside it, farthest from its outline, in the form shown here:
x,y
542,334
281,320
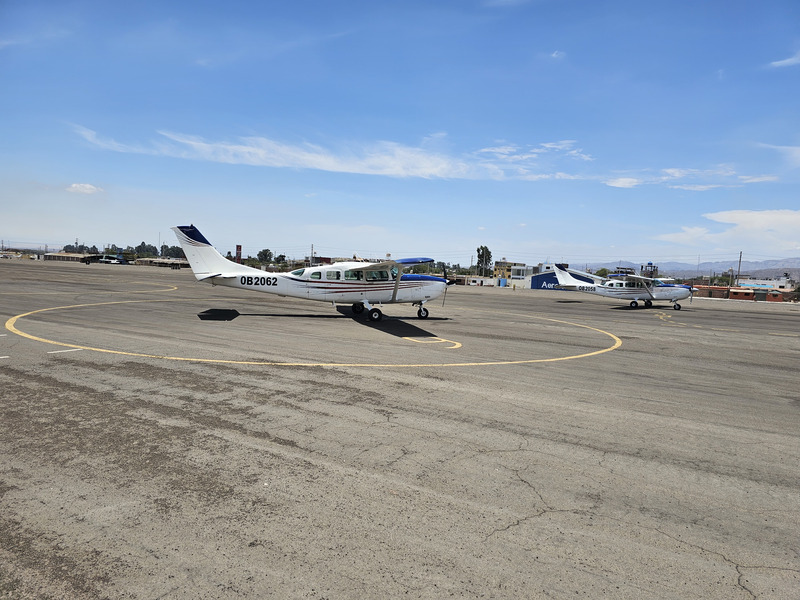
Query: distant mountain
x,y
758,269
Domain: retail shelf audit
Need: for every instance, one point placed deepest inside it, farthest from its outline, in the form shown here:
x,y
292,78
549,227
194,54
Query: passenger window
x,y
353,275
316,275
333,274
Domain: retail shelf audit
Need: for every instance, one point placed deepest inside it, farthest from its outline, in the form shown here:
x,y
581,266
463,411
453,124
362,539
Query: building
x,y
783,283
502,268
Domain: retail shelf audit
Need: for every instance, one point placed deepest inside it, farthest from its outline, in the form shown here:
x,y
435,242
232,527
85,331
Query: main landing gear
x,y
647,303
373,313
376,315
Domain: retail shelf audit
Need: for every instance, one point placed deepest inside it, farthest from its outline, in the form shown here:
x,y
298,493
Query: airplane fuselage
x,y
636,290
338,283
631,287
360,283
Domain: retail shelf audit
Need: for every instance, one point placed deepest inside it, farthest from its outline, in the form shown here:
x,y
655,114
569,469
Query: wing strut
x,y
396,284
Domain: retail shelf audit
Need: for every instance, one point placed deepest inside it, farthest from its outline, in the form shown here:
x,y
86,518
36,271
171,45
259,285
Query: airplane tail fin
x,y
565,279
204,259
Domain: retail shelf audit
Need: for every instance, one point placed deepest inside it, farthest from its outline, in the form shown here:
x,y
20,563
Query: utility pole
x,y
739,270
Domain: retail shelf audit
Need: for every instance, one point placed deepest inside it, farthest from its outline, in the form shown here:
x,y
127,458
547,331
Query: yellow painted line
x,y
435,340
12,322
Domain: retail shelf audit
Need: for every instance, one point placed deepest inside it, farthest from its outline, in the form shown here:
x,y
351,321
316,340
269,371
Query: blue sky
x,y
544,129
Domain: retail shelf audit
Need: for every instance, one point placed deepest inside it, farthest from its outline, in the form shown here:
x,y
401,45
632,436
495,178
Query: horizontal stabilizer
x,y
218,275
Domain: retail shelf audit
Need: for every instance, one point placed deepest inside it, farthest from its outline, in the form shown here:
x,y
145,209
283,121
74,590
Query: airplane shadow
x,y
396,326
654,307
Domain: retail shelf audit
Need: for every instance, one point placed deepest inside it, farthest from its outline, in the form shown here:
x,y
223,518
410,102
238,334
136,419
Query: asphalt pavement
x,y
515,444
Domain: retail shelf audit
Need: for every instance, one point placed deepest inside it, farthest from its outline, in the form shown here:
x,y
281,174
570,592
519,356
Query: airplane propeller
x,y
449,283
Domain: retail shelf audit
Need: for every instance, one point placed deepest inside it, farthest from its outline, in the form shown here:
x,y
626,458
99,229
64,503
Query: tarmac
x,y
515,444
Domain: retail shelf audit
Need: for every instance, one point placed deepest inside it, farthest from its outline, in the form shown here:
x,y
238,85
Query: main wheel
x,y
676,306
358,308
634,304
375,315
648,303
422,313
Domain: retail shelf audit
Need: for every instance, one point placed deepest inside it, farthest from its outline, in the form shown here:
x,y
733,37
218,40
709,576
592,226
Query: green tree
x,y
265,256
484,260
145,250
172,251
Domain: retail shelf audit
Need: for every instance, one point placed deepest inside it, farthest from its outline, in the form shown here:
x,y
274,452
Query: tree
x,y
484,260
601,272
265,256
172,251
145,250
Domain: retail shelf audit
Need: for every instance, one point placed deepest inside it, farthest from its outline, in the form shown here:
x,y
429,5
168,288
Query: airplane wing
x,y
400,263
643,278
595,278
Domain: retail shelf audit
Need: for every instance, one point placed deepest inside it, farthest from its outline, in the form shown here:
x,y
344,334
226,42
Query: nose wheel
x,y
422,313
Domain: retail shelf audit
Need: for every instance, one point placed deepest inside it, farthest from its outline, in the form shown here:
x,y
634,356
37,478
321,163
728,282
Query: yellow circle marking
x,y
11,326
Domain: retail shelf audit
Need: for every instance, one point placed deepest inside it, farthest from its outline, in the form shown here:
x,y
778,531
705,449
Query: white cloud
x,y
771,231
792,153
787,62
688,236
84,188
757,178
378,158
697,187
624,182
430,159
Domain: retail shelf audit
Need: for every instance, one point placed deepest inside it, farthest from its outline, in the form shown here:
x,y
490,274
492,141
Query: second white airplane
x,y
363,284
635,288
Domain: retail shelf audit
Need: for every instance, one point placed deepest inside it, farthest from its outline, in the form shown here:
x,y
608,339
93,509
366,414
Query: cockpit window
x,y
298,272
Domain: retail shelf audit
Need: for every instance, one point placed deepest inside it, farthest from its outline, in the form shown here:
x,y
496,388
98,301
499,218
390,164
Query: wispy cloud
x,y
695,180
791,153
84,188
624,182
547,161
777,229
787,62
378,158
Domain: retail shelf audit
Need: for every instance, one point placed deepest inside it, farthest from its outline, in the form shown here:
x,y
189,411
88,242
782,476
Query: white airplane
x,y
631,287
362,283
